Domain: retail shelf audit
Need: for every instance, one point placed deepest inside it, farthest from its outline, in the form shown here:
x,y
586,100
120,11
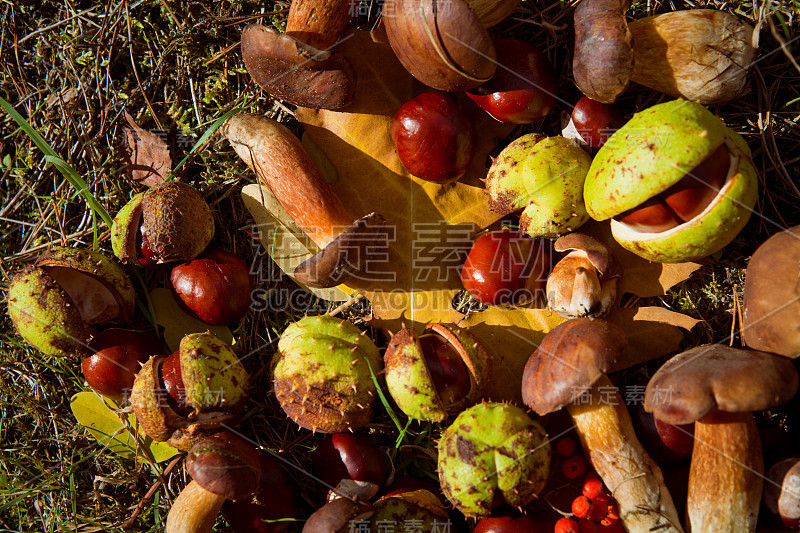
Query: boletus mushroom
x,y
771,321
568,370
701,54
717,387
223,467
299,66
282,164
584,282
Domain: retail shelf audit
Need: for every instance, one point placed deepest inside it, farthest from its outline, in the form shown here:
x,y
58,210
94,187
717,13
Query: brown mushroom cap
x,y
225,464
298,73
570,359
698,381
603,61
771,320
346,256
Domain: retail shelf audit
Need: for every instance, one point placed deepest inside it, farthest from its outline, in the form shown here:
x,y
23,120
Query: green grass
x,y
75,68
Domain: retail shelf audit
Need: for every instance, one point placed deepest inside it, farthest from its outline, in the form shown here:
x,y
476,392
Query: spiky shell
x,y
176,220
492,447
544,177
216,386
107,273
323,374
410,383
45,315
654,151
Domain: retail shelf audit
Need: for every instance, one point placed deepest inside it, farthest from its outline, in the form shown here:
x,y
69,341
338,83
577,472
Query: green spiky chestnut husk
x,y
54,303
654,151
177,222
410,383
489,448
542,176
421,506
322,374
215,384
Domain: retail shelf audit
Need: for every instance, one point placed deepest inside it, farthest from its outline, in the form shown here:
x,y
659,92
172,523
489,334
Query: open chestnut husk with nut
x,y
677,183
56,303
438,373
198,388
170,222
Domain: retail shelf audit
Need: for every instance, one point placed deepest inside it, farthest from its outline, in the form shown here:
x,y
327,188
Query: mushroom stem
x,y
283,165
318,23
194,511
606,433
725,478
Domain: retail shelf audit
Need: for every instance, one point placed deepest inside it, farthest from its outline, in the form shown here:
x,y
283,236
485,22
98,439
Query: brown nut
x,y
442,44
437,374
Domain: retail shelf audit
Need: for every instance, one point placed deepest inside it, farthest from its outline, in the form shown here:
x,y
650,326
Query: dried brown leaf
x,y
145,156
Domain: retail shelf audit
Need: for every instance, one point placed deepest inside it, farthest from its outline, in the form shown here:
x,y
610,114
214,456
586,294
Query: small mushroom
x,y
584,283
223,467
568,370
717,387
701,54
771,320
283,165
298,66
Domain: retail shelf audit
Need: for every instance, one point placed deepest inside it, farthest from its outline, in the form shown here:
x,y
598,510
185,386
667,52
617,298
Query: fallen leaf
x,y
145,155
105,426
433,225
283,240
512,335
177,323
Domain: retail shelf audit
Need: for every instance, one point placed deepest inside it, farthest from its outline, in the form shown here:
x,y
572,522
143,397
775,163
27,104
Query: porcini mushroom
x,y
283,165
771,320
717,387
568,370
298,66
584,282
223,466
700,54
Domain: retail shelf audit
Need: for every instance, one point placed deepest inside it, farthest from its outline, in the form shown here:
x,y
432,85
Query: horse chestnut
x,y
434,137
596,121
117,355
216,286
347,456
524,87
505,267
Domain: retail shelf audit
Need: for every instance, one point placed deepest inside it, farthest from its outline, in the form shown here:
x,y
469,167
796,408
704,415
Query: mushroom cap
x,y
771,320
298,73
603,60
346,256
225,464
716,377
570,359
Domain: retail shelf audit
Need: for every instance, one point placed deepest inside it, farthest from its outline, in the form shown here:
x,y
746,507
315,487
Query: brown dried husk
x,y
422,34
177,221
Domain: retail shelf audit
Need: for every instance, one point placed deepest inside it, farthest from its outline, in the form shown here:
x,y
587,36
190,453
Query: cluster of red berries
x,y
594,510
